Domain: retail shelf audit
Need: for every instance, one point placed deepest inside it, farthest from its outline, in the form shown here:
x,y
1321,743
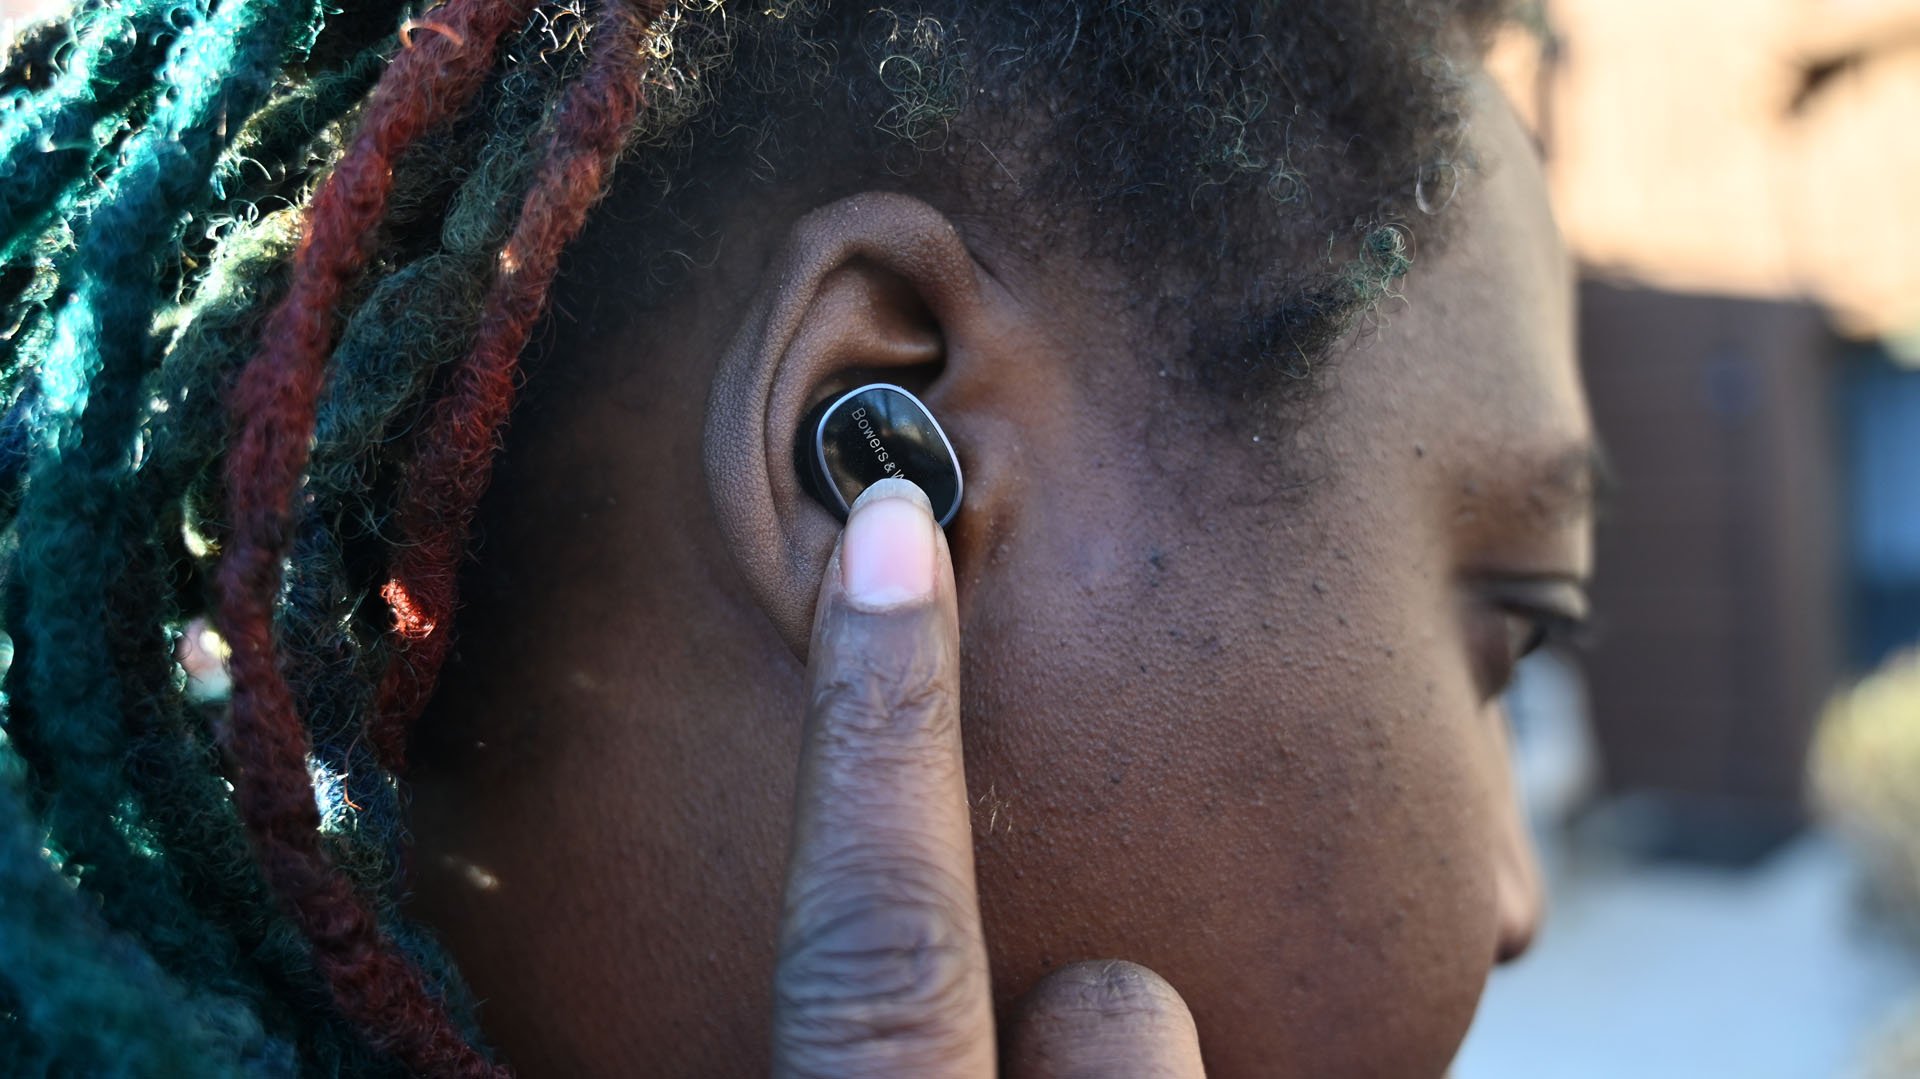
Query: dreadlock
x,y
268,269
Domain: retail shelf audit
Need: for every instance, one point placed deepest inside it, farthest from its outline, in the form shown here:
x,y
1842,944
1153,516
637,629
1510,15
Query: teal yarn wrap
x,y
73,541
96,1003
48,140
127,875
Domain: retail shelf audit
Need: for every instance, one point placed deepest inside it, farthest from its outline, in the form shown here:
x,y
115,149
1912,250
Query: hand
x,y
883,966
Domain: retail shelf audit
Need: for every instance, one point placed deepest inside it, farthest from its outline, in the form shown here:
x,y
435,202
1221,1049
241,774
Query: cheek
x,y
1259,772
608,871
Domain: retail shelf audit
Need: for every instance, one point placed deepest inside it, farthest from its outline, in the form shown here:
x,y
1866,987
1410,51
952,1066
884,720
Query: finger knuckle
x,y
872,971
877,697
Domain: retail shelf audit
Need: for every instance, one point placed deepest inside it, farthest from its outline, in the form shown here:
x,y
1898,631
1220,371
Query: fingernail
x,y
886,555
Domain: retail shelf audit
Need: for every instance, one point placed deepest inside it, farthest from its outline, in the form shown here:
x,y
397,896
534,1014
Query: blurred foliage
x,y
1896,1055
1866,778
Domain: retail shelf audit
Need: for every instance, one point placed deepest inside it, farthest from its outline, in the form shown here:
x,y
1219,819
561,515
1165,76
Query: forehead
x,y
1477,359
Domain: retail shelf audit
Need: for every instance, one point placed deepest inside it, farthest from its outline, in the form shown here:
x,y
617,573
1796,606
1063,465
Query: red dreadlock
x,y
273,404
457,442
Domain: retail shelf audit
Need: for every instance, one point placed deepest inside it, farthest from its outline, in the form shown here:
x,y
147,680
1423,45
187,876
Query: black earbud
x,y
850,442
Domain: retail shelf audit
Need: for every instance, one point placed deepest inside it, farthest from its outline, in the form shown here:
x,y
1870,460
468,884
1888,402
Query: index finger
x,y
882,968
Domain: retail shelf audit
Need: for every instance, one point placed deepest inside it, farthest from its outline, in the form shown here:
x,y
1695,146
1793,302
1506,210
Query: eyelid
x,y
1549,593
1555,604
1558,602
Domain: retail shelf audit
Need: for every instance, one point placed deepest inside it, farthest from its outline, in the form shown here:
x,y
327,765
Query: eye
x,y
1518,616
1526,633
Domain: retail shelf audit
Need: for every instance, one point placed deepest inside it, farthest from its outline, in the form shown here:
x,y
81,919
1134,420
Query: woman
x,y
1248,323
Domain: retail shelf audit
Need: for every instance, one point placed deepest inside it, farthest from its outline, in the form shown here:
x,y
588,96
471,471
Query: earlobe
x,y
875,288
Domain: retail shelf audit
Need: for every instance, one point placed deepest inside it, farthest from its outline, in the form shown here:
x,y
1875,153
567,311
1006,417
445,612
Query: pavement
x,y
1670,971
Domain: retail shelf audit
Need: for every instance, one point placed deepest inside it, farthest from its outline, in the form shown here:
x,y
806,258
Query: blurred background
x,y
1726,786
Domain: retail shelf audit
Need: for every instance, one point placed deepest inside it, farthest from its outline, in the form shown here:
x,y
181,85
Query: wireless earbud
x,y
878,431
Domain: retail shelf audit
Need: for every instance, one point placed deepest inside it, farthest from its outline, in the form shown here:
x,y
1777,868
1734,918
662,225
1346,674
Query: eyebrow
x,y
1603,483
1576,482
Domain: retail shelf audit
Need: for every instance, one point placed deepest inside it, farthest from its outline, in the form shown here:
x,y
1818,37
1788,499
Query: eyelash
x,y
1551,612
1549,627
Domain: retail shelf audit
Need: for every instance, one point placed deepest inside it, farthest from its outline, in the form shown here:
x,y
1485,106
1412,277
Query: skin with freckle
x,y
1229,676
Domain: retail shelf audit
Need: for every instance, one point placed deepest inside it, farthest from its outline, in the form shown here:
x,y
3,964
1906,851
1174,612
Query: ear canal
x,y
879,431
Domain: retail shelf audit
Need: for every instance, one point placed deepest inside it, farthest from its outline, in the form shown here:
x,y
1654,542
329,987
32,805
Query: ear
x,y
877,287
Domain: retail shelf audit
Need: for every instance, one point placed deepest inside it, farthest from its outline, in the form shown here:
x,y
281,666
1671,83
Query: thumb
x,y
1107,1019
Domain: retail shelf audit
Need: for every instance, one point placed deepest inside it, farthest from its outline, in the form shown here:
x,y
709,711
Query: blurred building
x,y
1736,178
1756,148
